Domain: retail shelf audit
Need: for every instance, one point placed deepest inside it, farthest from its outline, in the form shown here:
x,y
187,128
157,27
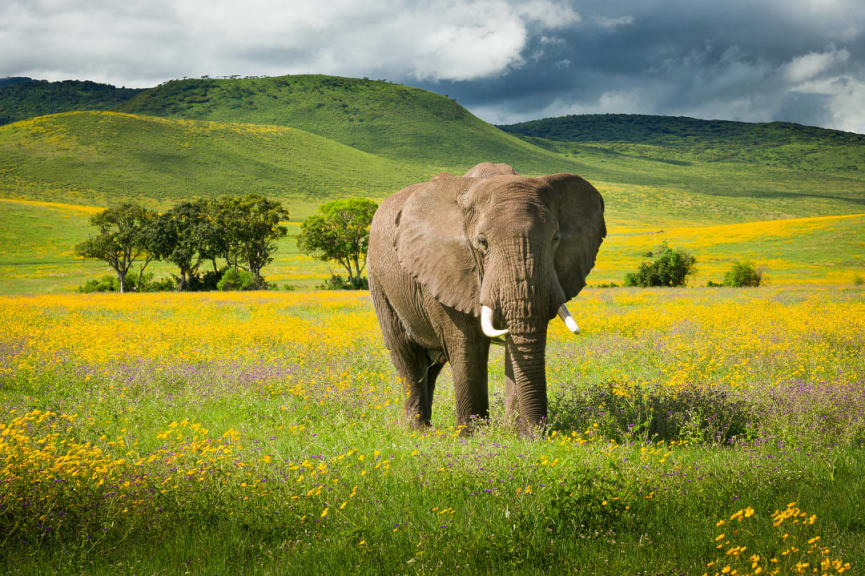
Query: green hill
x,y
778,144
391,120
22,98
98,158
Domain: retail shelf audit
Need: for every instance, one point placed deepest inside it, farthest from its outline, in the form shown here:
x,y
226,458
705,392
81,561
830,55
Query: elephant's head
x,y
509,250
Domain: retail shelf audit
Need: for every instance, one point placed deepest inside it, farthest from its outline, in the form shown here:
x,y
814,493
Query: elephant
x,y
451,259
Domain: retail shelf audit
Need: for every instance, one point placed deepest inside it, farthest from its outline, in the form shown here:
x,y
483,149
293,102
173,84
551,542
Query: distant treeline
x,y
22,98
235,236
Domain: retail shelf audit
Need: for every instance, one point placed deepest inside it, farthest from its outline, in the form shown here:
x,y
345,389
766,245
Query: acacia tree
x,y
250,226
340,233
181,235
123,238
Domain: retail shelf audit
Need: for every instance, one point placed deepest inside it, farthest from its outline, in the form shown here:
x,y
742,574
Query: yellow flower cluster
x,y
795,548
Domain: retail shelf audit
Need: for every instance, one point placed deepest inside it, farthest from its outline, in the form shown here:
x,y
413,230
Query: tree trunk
x,y
357,272
121,278
347,265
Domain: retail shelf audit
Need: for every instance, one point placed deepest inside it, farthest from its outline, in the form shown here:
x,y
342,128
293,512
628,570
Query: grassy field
x,y
693,430
36,256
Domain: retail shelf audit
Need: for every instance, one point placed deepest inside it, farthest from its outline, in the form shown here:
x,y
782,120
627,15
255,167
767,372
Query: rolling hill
x,y
99,158
777,144
390,120
22,98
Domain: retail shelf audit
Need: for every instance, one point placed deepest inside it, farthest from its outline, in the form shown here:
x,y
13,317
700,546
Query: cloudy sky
x,y
752,60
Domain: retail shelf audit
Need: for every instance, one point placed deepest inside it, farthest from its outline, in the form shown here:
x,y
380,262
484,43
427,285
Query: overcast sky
x,y
507,61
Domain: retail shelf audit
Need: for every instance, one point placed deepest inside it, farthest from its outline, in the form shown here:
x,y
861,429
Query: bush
x,y
626,411
104,284
858,280
236,280
109,283
336,282
669,268
742,274
161,285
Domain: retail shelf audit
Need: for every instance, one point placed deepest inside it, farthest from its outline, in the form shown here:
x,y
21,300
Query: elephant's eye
x,y
482,242
556,237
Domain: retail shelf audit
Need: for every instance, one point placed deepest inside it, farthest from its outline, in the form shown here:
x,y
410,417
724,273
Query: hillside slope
x,y
391,120
22,98
99,158
777,144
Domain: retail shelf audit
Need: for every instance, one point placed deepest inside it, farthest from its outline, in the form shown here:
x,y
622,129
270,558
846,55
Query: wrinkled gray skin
x,y
441,249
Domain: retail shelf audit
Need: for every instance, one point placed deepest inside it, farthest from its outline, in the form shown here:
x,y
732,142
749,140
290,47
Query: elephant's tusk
x,y
487,323
568,319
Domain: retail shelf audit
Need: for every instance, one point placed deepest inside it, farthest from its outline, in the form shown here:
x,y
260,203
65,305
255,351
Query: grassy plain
x,y
36,240
259,432
37,256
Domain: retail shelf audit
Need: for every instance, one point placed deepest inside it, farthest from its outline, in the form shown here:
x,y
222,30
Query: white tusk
x,y
487,323
568,319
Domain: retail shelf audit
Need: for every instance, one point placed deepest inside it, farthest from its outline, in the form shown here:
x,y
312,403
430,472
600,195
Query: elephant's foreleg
x,y
410,359
469,366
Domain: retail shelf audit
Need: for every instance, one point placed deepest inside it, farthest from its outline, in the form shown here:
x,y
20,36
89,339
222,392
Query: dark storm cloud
x,y
507,60
795,60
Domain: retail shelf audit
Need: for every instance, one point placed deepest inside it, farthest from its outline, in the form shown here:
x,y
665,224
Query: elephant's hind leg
x,y
412,362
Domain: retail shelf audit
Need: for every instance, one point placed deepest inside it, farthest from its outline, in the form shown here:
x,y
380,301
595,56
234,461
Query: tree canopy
x,y
241,229
669,267
339,232
125,236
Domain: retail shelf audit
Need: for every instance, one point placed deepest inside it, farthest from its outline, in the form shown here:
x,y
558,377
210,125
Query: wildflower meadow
x,y
692,431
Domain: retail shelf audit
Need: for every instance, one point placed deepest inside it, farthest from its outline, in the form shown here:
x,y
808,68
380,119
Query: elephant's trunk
x,y
527,374
527,319
525,298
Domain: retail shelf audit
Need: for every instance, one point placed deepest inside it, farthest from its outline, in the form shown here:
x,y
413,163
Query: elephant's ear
x,y
580,212
431,244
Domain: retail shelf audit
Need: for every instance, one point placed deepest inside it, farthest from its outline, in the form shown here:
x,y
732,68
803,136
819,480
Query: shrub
x,y
289,287
858,280
742,274
669,268
161,285
105,284
625,411
110,283
336,282
236,280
